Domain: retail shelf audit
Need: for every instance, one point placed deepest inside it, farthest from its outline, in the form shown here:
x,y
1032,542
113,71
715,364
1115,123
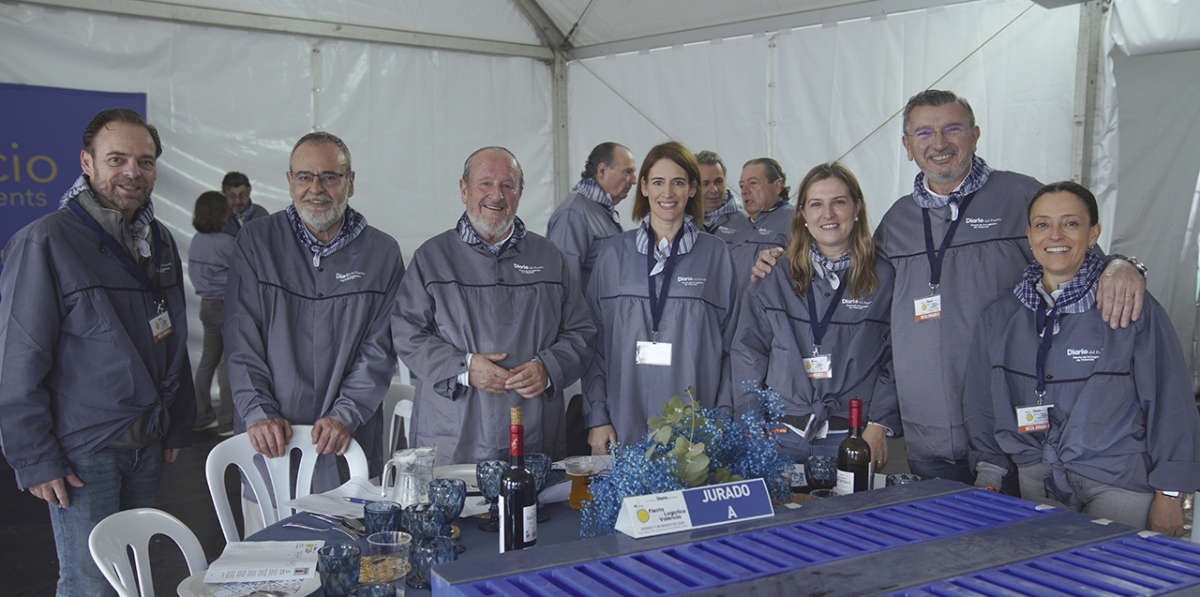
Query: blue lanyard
x,y
819,327
1045,325
936,257
160,299
658,303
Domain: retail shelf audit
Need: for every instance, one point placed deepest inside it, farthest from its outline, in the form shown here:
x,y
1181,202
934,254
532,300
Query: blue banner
x,y
41,133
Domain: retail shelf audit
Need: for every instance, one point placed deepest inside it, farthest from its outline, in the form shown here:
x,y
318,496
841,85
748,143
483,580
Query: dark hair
x,y
862,279
320,137
237,179
466,176
211,212
773,171
121,115
676,152
1074,188
710,158
933,98
603,153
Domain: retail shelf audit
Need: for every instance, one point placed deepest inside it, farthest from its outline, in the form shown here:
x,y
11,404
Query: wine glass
x,y
487,474
539,467
451,495
820,471
427,553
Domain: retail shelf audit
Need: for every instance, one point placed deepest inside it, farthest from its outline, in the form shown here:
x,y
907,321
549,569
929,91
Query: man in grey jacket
x,y
306,321
588,216
95,385
236,188
489,316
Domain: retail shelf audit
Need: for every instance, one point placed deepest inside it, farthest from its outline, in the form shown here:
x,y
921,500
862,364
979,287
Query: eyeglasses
x,y
327,178
949,132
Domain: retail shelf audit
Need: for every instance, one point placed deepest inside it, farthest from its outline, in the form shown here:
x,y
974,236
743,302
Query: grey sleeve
x,y
414,334
750,350
979,407
245,348
569,232
595,380
29,330
1172,422
726,390
885,400
568,357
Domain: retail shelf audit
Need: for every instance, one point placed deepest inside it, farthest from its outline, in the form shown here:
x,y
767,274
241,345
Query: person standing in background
x,y
208,266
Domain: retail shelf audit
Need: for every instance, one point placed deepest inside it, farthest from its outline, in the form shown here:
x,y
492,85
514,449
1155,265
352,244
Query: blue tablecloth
x,y
562,527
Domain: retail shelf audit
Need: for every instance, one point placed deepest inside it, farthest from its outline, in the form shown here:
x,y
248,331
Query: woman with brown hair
x,y
209,257
662,296
816,329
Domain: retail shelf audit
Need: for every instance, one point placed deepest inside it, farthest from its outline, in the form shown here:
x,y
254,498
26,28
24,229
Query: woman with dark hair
x,y
208,263
662,296
1097,420
816,329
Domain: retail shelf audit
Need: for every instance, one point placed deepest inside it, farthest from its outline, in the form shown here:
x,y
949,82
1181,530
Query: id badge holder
x,y
1031,419
818,366
160,325
928,308
653,353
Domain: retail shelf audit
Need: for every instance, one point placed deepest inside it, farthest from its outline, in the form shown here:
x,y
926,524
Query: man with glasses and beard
x,y
489,317
306,326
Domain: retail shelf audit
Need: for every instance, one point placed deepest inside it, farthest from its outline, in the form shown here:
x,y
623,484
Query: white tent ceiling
x,y
415,85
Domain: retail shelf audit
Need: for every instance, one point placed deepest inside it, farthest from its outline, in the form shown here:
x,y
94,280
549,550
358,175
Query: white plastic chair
x,y
238,451
397,407
111,538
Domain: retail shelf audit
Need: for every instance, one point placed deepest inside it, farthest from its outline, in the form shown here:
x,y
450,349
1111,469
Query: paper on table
x,y
334,502
264,560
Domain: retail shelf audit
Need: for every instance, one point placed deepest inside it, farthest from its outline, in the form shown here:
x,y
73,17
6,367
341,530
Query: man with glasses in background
x,y
307,307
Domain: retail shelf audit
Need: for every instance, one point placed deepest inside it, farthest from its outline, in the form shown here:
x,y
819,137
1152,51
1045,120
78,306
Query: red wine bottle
x,y
855,469
518,497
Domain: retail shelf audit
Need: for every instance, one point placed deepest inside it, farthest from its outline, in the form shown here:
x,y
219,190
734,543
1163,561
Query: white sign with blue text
x,y
659,513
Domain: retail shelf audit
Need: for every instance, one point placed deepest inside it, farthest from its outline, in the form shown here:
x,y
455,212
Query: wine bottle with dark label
x,y
855,469
518,497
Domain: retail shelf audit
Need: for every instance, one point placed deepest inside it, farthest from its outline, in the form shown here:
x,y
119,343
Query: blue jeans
x,y
114,479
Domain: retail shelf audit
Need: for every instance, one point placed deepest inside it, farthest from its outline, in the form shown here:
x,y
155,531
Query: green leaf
x,y
663,435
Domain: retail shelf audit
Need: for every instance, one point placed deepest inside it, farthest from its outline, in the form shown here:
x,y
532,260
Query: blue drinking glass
x,y
338,565
820,472
451,495
381,517
427,553
424,520
539,467
487,474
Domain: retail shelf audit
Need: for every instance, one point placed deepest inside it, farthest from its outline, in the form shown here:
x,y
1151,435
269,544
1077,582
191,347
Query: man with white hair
x,y
489,316
310,292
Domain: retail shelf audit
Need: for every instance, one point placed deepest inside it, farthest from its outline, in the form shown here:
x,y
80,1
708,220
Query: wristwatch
x,y
1141,267
1171,494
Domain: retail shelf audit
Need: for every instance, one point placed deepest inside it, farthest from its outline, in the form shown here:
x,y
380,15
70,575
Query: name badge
x,y
928,308
1031,419
818,367
653,353
160,325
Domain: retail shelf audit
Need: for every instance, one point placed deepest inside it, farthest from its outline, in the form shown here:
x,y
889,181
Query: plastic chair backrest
x,y
397,407
238,451
111,538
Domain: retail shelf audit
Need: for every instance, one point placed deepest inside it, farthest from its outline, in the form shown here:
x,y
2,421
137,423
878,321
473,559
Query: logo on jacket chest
x,y
982,223
765,232
349,276
528,269
1084,355
690,282
855,304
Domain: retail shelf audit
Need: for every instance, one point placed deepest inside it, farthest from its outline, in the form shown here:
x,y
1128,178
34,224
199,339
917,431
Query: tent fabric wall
x,y
1156,214
832,86
227,99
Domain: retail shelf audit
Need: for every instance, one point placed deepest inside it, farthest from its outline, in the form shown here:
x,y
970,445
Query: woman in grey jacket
x,y
1097,420
208,265
816,329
